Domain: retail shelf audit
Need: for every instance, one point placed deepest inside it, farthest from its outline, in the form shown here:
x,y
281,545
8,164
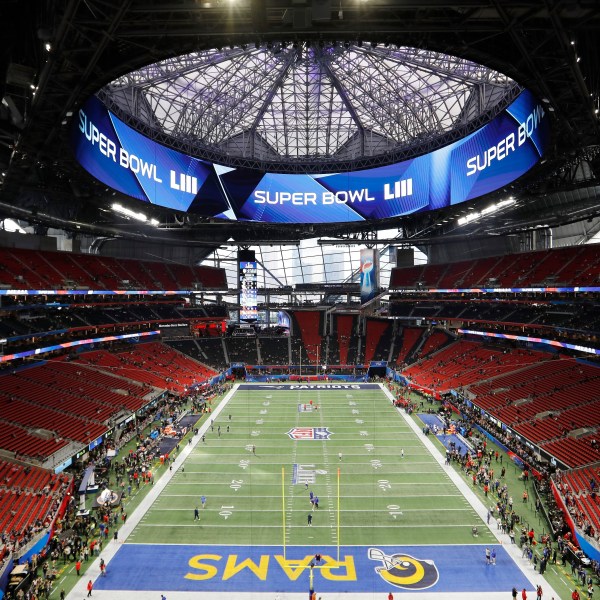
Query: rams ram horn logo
x,y
405,571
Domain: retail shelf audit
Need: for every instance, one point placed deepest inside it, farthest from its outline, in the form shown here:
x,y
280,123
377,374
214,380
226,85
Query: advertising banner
x,y
369,274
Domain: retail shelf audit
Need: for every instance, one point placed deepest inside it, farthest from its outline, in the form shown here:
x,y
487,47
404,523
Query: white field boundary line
x,y
512,549
110,549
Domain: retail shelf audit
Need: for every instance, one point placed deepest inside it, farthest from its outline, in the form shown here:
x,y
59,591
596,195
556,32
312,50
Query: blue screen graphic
x,y
248,291
480,163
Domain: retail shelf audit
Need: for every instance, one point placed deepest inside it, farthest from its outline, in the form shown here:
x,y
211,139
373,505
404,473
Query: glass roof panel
x,y
309,100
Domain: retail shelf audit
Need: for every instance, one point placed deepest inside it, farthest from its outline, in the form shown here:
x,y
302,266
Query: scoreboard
x,y
247,285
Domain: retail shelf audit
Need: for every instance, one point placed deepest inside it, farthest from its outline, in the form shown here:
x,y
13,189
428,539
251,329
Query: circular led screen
x,y
484,161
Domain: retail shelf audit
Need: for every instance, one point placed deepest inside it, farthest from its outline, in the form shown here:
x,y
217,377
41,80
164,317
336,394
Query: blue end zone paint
x,y
199,568
431,420
310,387
458,442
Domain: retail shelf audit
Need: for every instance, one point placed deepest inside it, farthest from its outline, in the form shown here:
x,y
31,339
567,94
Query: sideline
x,y
79,590
513,550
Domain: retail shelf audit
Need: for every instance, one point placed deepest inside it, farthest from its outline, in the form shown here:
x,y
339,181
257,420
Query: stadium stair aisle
x,y
512,549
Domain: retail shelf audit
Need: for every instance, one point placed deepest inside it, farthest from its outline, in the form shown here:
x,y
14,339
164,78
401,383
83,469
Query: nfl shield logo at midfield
x,y
309,433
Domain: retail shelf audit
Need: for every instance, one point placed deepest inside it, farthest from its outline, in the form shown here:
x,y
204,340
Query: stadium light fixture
x,y
137,216
488,210
12,226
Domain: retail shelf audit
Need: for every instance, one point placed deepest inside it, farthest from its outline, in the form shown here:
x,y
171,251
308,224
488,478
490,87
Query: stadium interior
x,y
140,285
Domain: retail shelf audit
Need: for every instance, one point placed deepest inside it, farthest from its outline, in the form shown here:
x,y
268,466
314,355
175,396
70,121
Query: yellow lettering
x,y
330,563
209,570
293,568
260,570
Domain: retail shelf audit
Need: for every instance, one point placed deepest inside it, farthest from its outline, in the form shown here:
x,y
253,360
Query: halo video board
x,y
480,163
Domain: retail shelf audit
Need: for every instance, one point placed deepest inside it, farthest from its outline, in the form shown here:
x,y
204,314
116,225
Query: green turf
x,y
249,502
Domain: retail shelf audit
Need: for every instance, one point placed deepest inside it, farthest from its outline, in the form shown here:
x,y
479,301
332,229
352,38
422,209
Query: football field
x,y
391,516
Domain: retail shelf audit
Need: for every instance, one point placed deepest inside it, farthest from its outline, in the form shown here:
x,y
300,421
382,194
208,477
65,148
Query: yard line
x,y
253,496
343,510
396,525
